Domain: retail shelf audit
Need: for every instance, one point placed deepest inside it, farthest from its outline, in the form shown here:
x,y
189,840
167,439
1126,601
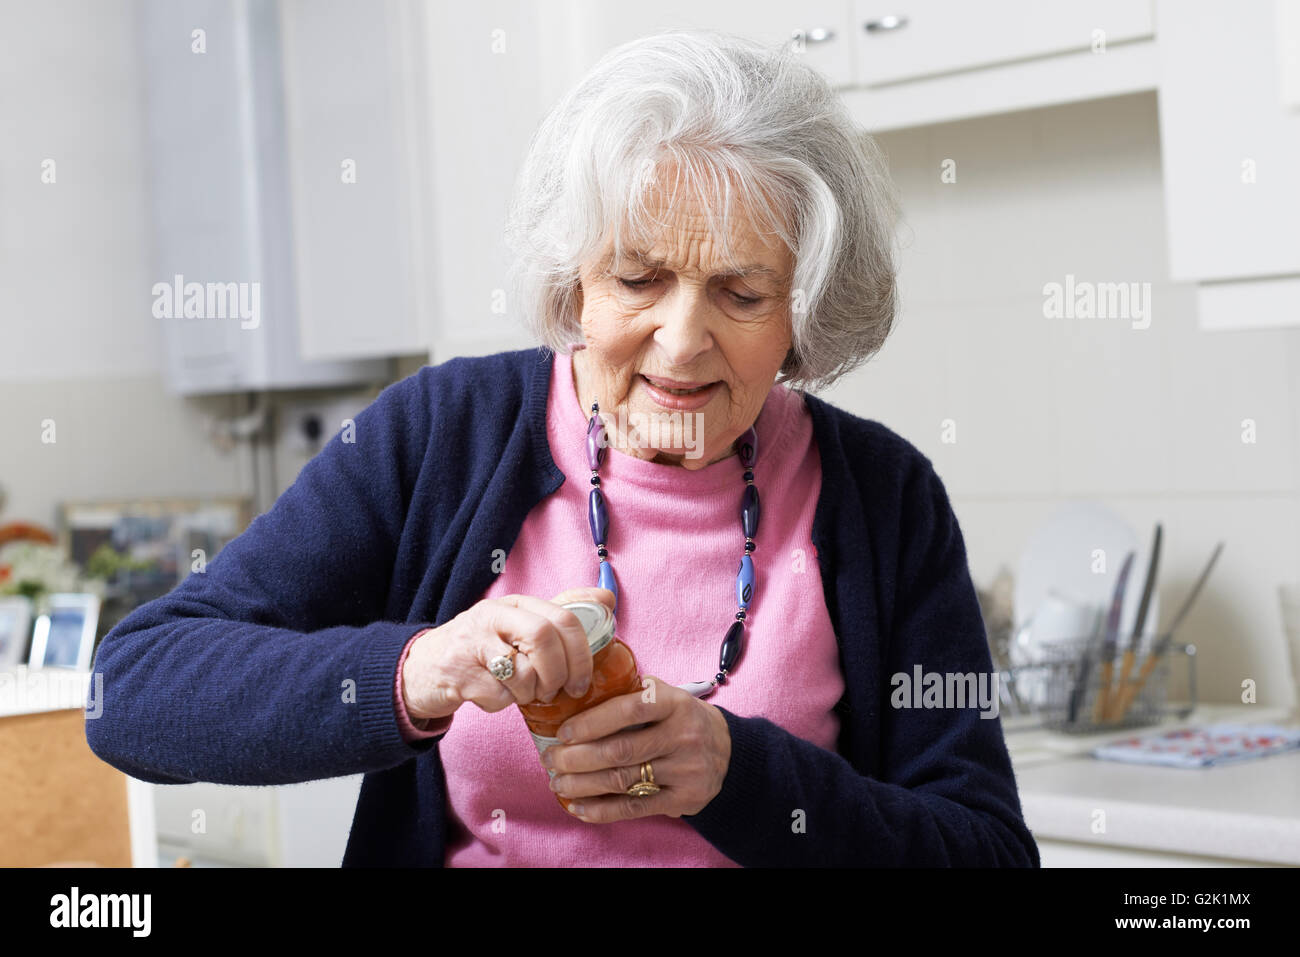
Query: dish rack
x,y
1062,686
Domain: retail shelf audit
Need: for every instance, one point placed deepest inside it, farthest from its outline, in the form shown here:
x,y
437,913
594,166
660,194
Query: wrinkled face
x,y
672,329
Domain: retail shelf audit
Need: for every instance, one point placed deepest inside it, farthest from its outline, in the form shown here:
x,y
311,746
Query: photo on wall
x,y
146,548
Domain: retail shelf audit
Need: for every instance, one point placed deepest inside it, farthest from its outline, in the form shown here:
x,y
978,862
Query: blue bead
x,y
749,511
748,448
607,579
731,647
745,583
597,517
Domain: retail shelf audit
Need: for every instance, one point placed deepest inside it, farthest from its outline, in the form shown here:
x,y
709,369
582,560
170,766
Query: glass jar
x,y
613,673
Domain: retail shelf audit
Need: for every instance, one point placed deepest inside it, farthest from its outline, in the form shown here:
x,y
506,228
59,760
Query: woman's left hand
x,y
686,742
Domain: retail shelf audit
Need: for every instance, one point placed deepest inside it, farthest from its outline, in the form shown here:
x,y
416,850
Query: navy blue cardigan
x,y
277,663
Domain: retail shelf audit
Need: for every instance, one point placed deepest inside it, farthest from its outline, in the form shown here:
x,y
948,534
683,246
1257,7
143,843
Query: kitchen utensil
x,y
1161,646
1081,681
1111,641
1107,649
1130,653
1290,597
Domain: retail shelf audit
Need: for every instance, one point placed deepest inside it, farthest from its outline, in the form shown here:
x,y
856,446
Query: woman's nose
x,y
683,331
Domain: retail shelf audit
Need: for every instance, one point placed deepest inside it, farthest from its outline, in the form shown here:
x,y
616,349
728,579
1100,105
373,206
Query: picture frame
x,y
15,630
153,541
64,634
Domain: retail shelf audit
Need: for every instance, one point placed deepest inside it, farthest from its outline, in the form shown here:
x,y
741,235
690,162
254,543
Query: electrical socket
x,y
308,426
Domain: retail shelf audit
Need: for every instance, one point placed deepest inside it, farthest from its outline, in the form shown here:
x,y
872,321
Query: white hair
x,y
737,121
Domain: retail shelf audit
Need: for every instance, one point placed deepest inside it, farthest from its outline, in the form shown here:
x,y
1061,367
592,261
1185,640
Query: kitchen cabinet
x,y
60,805
494,69
916,38
290,825
1230,142
821,30
217,824
1231,146
220,209
357,152
919,61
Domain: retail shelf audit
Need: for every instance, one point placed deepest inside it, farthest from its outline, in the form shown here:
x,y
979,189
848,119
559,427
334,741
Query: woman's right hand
x,y
448,665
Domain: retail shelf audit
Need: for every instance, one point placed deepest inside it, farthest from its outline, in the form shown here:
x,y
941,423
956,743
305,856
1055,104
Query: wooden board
x,y
60,805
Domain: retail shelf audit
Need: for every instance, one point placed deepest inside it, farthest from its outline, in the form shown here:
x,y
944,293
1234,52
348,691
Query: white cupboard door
x,y
353,82
495,67
909,39
1230,144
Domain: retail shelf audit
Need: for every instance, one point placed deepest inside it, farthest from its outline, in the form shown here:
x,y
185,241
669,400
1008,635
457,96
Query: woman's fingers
x,y
613,780
519,621
492,694
602,595
625,749
450,664
576,641
573,645
547,634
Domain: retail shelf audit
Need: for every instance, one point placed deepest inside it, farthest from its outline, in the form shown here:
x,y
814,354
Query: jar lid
x,y
597,621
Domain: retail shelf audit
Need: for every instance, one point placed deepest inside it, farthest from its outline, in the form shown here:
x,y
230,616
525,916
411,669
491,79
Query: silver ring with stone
x,y
502,667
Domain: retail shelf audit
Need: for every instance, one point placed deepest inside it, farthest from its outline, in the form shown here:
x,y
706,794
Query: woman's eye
x,y
635,283
639,285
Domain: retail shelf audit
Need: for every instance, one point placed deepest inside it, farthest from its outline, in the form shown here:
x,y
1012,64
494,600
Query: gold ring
x,y
646,786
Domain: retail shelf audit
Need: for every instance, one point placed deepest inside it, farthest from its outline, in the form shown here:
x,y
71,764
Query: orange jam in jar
x,y
613,673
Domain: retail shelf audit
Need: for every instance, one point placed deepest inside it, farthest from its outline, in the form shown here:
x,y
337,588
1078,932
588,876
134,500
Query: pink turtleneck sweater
x,y
675,544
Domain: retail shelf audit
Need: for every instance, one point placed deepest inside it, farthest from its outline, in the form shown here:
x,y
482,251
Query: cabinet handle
x,y
815,35
885,24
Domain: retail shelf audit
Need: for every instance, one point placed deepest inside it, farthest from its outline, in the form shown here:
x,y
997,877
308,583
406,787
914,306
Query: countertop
x,y
1246,811
1243,811
26,690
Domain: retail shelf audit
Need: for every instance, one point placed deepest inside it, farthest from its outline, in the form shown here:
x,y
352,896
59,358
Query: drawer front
x,y
915,38
818,29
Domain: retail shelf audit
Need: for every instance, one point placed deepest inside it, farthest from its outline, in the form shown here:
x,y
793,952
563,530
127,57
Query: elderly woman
x,y
695,221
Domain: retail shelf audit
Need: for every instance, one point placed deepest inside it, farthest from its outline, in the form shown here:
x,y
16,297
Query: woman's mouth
x,y
675,394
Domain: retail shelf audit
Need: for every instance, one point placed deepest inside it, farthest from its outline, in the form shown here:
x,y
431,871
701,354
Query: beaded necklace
x,y
598,519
